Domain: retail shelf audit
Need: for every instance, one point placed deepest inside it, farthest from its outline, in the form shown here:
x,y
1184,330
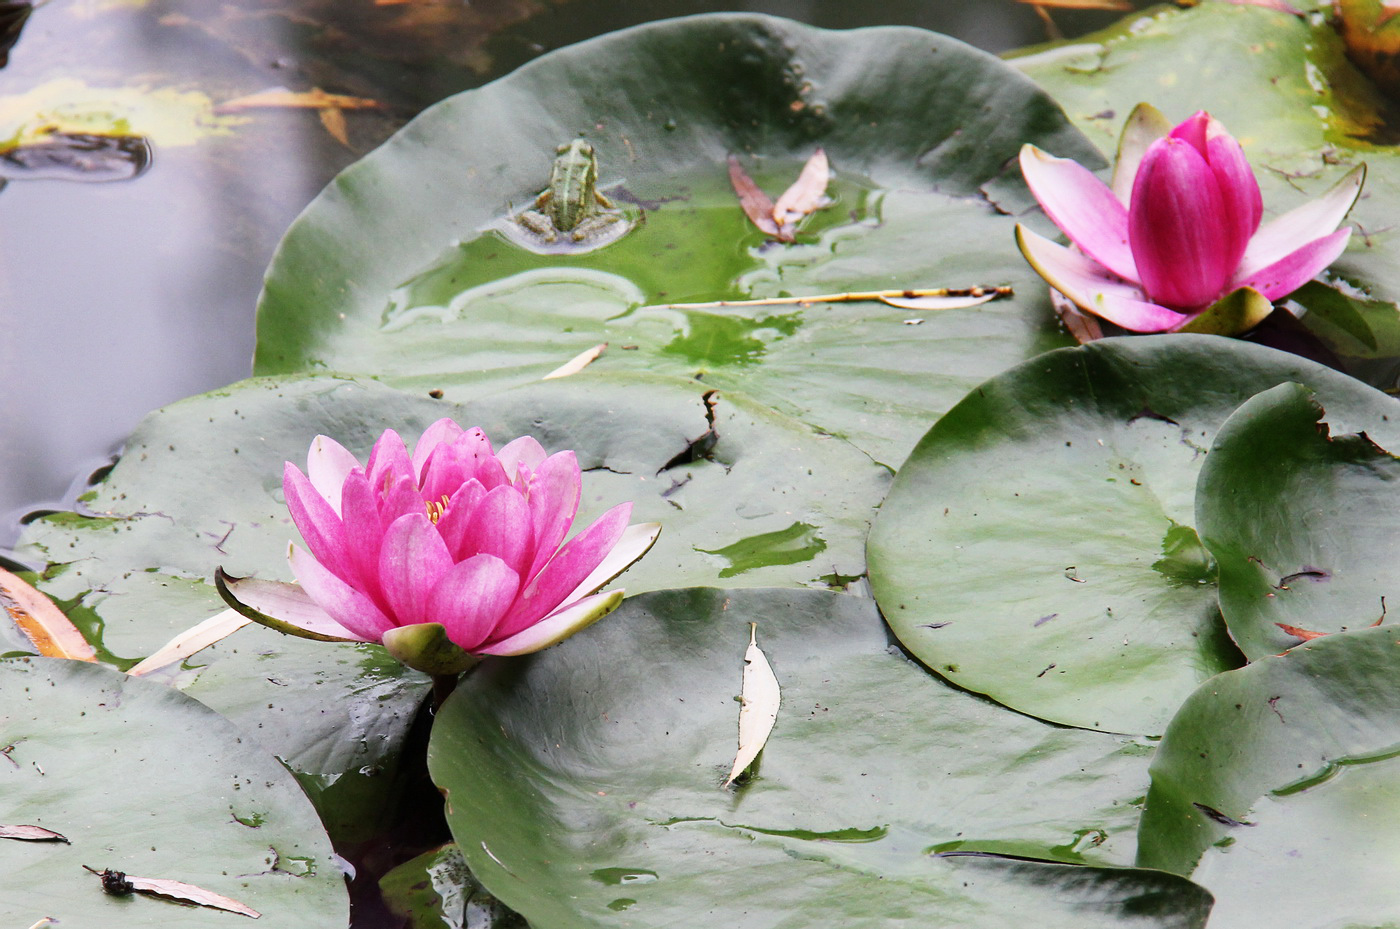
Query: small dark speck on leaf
x,y
935,625
1220,817
435,393
1044,619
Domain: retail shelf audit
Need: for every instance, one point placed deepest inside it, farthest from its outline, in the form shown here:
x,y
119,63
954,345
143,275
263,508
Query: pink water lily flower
x,y
454,535
1179,232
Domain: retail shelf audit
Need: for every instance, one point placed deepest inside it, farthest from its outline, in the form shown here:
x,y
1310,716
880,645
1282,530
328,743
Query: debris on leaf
x,y
42,623
758,710
193,639
928,298
31,834
119,884
577,363
1306,635
806,195
754,202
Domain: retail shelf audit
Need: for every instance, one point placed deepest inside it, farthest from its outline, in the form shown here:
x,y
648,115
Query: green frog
x,y
572,206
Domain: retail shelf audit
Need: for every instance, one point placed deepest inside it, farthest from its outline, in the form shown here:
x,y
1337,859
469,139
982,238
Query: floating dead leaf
x,y
577,363
31,834
119,884
333,121
756,204
758,709
43,623
1306,635
193,639
1119,6
806,195
280,98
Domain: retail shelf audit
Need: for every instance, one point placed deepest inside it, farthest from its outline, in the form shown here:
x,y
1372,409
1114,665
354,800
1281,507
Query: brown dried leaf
x,y
1305,634
806,194
333,120
42,622
31,834
119,884
755,203
315,99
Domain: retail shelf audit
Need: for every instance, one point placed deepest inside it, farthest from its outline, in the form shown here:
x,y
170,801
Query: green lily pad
x,y
583,784
1303,524
1038,546
143,780
1276,786
396,269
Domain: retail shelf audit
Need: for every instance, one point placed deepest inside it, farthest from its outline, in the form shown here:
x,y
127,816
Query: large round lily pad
x,y
143,780
395,269
583,784
1305,525
1276,785
1038,546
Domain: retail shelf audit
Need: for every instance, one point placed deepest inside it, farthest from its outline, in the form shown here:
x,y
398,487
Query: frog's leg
x,y
538,223
594,225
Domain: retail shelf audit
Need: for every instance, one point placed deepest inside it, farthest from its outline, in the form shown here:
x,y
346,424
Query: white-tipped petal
x,y
1083,207
1092,288
327,464
558,626
636,541
1283,235
1145,125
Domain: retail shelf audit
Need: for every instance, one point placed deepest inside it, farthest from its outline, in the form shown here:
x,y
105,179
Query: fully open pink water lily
x,y
1177,241
451,552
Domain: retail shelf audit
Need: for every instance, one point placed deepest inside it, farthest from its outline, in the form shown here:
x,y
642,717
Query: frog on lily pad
x,y
571,214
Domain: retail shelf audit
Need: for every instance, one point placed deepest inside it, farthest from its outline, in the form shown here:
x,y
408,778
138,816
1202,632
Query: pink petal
x,y
635,542
455,523
1175,227
388,461
398,497
1292,271
1291,231
1083,207
343,603
411,562
524,450
553,495
1239,191
318,524
1192,130
557,626
451,466
471,598
500,526
327,464
442,432
363,534
1092,288
574,562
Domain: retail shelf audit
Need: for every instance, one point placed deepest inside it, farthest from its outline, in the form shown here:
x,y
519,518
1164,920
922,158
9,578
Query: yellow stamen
x,y
436,508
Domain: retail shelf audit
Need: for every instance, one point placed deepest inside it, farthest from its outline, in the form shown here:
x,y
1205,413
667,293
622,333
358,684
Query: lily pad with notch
x,y
1039,544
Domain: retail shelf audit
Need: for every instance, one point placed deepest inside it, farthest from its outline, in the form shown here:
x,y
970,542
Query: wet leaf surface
x,y
437,296
1038,546
143,780
575,800
1295,756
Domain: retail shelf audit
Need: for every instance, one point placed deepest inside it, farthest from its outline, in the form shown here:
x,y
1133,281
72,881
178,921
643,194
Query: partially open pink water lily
x,y
452,552
1176,243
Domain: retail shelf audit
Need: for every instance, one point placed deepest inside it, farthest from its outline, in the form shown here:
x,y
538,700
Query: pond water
x,y
120,296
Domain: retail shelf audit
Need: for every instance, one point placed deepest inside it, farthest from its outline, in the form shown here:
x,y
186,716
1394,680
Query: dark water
x,y
120,296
